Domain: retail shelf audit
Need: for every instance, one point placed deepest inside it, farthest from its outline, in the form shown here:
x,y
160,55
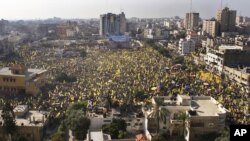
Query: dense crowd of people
x,y
119,75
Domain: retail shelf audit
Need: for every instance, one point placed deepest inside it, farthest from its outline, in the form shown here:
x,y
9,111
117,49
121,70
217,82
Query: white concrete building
x,y
134,123
186,46
31,124
214,58
203,115
167,24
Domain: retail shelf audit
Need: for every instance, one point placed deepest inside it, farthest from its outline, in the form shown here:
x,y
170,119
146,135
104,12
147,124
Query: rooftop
x,y
226,47
206,106
6,71
31,118
97,135
20,108
200,105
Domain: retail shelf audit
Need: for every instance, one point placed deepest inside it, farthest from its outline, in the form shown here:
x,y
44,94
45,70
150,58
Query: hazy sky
x,y
40,9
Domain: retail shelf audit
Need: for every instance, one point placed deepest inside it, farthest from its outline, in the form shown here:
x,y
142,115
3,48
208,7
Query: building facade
x,y
241,76
19,79
231,56
204,115
191,21
211,27
111,24
186,46
31,124
226,19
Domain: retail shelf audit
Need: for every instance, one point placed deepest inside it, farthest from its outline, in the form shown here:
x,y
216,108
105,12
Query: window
x,y
106,120
210,124
197,124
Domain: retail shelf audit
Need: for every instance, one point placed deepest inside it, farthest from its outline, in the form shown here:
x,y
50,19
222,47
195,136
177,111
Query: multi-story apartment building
x,y
67,30
98,119
211,27
19,79
193,35
31,124
204,115
186,46
226,19
231,56
191,21
241,76
111,24
242,20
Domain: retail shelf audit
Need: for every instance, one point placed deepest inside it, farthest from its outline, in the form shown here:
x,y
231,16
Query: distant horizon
x,y
14,10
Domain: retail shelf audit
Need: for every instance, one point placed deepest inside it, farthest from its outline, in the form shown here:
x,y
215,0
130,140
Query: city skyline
x,y
43,9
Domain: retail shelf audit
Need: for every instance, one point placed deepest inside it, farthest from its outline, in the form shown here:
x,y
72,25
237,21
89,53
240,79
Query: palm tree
x,y
185,120
159,113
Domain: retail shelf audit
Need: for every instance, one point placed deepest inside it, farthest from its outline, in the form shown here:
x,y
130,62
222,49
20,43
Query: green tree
x,y
178,60
58,137
76,106
158,138
21,138
224,136
117,128
9,122
159,113
185,121
78,123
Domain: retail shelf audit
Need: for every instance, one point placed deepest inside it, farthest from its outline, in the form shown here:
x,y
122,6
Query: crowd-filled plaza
x,y
119,75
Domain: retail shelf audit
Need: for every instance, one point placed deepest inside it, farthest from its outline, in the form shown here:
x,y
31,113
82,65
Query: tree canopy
x,y
76,106
8,116
78,123
117,129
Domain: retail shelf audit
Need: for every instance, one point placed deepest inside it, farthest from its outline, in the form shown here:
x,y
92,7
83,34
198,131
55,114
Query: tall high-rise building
x,y
191,21
226,19
211,27
111,24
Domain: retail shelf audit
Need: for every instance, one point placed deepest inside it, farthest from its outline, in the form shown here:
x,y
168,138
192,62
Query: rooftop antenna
x,y
121,9
107,6
190,17
191,6
221,4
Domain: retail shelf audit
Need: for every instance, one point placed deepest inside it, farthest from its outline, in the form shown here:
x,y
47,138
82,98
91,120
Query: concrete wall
x,y
34,133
